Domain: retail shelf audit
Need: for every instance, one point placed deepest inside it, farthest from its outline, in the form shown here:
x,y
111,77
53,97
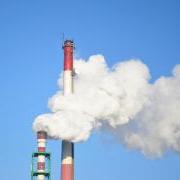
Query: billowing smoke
x,y
139,114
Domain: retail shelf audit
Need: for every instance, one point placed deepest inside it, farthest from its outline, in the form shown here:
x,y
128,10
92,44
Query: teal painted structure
x,y
34,170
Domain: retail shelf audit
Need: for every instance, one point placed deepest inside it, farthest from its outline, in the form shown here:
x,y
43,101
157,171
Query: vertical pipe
x,y
67,156
41,138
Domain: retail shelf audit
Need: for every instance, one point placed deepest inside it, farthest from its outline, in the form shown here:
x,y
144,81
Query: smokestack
x,y
67,157
41,138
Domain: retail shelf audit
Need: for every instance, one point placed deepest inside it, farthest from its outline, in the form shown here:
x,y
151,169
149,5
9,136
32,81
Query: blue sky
x,y
31,59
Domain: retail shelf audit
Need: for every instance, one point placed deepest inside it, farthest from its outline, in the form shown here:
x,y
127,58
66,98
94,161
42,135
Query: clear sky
x,y
31,59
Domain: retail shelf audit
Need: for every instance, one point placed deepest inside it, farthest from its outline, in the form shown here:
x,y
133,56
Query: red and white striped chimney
x,y
41,138
67,157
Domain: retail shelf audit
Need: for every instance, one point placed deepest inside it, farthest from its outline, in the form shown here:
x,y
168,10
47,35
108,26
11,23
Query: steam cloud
x,y
139,114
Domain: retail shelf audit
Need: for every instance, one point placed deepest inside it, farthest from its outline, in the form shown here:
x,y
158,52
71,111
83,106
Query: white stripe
x,y
41,140
68,160
41,158
68,82
41,144
40,177
67,146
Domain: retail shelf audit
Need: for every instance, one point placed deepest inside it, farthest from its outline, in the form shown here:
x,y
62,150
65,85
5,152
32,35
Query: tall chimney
x,y
41,138
67,157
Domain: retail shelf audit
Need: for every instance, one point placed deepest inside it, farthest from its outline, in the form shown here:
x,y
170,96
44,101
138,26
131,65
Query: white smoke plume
x,y
141,115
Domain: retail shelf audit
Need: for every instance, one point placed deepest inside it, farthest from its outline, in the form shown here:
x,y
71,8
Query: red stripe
x,y
41,166
41,149
67,172
68,58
